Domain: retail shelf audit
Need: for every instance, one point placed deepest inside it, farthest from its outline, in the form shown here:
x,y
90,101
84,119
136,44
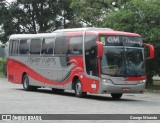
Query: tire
x,y
55,90
116,95
26,85
78,90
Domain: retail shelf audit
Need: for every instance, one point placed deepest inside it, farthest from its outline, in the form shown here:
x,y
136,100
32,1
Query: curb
x,y
153,91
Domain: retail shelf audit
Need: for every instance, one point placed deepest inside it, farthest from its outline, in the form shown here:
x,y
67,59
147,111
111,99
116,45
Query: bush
x,y
3,68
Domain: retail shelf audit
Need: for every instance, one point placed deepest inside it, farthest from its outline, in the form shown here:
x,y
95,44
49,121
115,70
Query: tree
x,y
7,26
90,12
93,12
35,16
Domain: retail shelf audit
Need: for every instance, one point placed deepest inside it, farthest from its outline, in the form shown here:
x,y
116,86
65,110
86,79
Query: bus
x,y
86,60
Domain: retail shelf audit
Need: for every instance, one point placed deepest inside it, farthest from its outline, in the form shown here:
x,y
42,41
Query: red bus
x,y
94,60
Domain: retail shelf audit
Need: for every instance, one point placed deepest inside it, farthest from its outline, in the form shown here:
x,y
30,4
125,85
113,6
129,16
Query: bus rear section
x,y
94,60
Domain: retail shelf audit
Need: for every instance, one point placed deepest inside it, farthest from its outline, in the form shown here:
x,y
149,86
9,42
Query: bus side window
x,y
35,46
75,46
10,47
47,46
24,46
61,45
14,45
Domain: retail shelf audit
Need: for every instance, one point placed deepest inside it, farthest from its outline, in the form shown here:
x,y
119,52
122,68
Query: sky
x,y
9,0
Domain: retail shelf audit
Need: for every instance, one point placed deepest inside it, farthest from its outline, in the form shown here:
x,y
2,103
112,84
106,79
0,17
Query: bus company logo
x,y
6,117
113,40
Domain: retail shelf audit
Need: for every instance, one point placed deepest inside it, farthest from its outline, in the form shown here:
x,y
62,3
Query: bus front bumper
x,y
114,88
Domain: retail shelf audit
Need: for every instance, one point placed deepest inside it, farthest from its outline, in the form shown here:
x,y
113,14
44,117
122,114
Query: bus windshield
x,y
123,60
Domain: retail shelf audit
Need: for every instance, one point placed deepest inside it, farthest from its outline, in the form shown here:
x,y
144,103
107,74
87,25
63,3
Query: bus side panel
x,y
16,69
88,84
10,70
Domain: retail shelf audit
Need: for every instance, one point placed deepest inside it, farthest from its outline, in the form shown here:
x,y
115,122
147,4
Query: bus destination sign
x,y
130,41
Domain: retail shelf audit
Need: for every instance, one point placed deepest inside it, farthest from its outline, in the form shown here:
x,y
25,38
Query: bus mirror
x,y
100,49
148,51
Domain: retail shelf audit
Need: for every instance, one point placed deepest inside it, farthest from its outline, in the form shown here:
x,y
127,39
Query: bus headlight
x,y
142,81
107,81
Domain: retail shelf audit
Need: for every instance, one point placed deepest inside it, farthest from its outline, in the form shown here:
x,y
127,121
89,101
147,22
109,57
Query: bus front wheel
x,y
116,95
26,85
78,90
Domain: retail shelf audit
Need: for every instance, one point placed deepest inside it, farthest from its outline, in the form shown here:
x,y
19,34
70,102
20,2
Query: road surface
x,y
14,100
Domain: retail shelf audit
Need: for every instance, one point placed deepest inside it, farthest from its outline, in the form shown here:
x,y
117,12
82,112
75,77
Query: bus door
x,y
91,61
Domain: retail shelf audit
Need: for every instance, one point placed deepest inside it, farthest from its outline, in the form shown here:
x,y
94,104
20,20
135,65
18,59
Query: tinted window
x,y
75,45
47,46
14,44
120,61
113,61
35,46
10,47
91,55
135,62
24,46
61,45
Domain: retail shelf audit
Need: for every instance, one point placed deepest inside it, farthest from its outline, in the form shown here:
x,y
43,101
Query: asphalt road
x,y
14,100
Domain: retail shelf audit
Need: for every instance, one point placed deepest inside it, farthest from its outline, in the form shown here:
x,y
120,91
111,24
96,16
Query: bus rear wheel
x,y
78,90
116,95
26,86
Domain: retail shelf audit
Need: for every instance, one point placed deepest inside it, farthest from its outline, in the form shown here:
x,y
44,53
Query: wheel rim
x,y
78,88
25,82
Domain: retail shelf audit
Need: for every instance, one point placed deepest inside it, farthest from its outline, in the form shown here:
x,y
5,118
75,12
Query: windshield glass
x,y
113,61
120,61
135,61
123,56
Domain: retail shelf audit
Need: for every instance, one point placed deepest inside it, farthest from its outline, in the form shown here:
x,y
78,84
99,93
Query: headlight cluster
x,y
142,81
107,81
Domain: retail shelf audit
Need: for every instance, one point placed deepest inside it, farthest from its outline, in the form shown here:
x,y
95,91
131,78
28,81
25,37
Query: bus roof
x,y
83,29
26,36
90,29
97,31
118,33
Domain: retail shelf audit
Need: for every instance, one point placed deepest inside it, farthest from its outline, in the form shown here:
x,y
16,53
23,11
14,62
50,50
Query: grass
x,y
2,74
2,67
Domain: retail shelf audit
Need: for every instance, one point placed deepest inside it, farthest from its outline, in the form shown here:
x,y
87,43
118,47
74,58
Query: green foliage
x,y
93,12
3,70
35,16
139,16
90,12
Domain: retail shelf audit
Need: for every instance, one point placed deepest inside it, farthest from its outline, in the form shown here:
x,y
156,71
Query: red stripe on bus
x,y
33,74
